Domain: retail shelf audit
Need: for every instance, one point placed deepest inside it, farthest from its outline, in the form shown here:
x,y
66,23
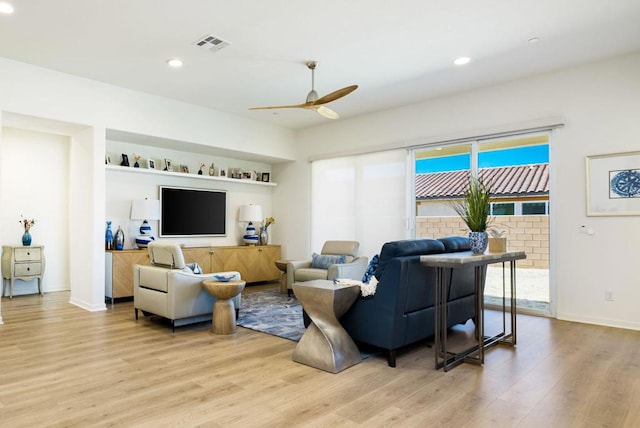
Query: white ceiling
x,y
398,52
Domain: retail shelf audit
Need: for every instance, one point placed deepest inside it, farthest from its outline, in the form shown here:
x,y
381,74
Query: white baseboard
x,y
606,322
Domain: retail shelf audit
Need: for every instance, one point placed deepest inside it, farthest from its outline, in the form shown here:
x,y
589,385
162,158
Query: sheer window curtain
x,y
362,198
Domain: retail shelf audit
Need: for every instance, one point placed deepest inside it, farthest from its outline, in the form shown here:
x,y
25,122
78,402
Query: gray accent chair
x,y
354,268
170,289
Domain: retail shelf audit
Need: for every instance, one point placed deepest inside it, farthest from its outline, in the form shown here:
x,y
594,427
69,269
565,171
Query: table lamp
x,y
145,209
250,213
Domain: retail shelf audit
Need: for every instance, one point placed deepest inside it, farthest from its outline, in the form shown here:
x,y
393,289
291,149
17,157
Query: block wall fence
x,y
529,233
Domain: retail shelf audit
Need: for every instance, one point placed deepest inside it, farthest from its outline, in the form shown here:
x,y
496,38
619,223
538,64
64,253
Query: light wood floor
x,y
63,366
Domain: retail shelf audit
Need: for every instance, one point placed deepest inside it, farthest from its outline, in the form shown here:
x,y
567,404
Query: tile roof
x,y
509,181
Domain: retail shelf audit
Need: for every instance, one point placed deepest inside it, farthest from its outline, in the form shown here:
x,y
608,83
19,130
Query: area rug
x,y
272,312
277,314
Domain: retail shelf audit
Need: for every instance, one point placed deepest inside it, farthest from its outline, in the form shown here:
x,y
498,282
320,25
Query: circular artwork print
x,y
626,184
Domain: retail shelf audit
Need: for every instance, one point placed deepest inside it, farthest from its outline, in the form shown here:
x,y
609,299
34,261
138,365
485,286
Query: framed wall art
x,y
613,184
151,164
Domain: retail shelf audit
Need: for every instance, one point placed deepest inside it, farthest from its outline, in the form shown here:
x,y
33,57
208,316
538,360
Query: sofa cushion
x,y
310,274
408,247
454,244
194,268
323,261
373,264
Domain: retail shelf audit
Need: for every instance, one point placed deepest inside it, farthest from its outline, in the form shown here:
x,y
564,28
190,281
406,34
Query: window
x,y
503,208
520,208
361,198
534,208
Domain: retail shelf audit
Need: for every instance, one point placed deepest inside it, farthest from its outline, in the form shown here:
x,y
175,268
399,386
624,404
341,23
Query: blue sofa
x,y
402,311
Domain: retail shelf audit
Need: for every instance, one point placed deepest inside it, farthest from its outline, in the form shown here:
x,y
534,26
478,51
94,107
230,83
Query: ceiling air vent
x,y
211,42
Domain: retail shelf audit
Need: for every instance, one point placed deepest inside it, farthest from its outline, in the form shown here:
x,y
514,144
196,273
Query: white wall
x,y
34,182
600,104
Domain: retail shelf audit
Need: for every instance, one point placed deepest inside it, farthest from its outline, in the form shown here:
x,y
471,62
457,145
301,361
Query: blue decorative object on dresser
x,y
26,239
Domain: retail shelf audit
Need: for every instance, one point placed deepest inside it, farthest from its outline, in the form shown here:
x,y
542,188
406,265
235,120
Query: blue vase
x,y
26,239
478,242
108,237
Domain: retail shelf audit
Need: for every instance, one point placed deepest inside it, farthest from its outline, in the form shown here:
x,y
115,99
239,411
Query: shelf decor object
x,y
108,237
250,213
613,184
145,210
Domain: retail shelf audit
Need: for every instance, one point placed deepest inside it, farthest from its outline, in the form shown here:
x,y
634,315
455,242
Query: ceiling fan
x,y
315,103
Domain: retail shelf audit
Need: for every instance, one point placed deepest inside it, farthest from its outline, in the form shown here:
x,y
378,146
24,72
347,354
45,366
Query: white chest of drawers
x,y
25,263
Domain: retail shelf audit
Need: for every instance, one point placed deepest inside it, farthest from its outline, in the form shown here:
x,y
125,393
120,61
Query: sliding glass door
x,y
516,168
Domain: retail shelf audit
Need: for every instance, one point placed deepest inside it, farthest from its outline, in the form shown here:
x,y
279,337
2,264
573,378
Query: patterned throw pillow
x,y
195,268
323,261
373,264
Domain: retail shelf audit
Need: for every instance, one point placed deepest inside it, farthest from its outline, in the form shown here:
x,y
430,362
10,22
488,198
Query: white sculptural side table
x,y
326,345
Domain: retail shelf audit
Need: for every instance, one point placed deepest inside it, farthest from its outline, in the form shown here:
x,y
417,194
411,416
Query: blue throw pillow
x,y
323,261
195,268
373,264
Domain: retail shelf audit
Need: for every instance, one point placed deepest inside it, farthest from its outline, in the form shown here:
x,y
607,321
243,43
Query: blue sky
x,y
507,157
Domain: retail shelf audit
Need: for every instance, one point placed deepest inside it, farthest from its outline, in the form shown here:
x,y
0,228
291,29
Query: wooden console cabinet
x,y
256,263
118,271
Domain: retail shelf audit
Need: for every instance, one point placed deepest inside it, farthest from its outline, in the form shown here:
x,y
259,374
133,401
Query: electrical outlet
x,y
608,296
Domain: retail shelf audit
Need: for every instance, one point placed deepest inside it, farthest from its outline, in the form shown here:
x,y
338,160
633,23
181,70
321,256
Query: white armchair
x,y
308,270
170,289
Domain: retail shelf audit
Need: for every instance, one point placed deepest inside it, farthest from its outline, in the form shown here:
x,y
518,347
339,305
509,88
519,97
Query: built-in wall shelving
x,y
186,175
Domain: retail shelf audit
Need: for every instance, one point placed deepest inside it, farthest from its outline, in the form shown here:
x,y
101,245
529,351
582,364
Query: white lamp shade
x,y
250,213
145,209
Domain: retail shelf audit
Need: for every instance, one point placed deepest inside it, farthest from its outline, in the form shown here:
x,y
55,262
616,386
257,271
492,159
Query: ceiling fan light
x,y
327,112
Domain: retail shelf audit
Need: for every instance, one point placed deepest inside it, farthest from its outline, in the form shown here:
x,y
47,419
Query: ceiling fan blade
x,y
336,95
305,105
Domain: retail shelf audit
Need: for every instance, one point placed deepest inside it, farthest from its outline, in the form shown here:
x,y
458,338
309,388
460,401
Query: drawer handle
x,y
28,253
28,269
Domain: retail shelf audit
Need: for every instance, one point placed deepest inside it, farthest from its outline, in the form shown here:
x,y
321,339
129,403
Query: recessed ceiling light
x,y
6,8
534,40
174,62
462,60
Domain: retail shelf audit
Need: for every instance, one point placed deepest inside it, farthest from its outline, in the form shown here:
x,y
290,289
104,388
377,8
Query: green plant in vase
x,y
474,210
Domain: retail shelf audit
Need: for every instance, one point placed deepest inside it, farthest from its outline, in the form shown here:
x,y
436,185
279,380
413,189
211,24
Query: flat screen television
x,y
192,212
